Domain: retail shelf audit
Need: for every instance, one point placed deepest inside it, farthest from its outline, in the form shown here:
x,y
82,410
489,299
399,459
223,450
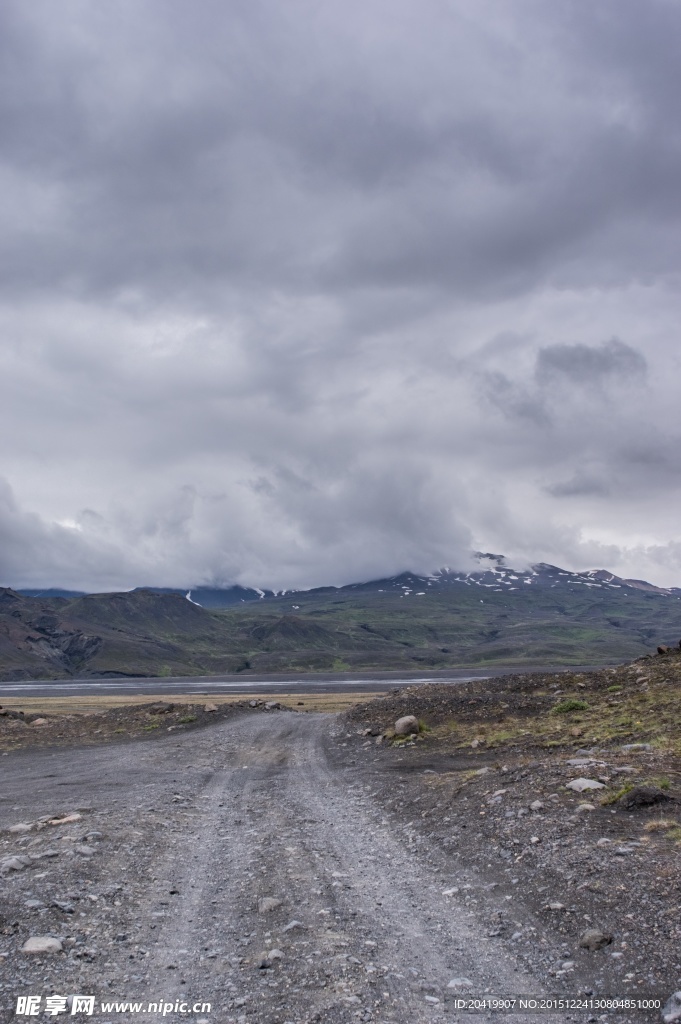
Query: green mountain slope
x,y
408,623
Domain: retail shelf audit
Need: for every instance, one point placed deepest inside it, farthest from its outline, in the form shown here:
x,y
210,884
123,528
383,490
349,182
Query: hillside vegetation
x,y
405,624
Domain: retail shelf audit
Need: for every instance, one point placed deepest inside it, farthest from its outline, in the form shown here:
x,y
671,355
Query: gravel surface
x,y
273,866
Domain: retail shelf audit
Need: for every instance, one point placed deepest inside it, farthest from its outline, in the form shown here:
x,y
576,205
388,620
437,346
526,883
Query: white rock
x,y
460,983
268,903
210,707
65,819
556,906
13,864
449,892
275,954
672,1008
581,785
406,725
22,826
41,944
536,805
585,807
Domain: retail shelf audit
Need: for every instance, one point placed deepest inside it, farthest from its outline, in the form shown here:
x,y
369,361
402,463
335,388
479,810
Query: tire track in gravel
x,y
375,939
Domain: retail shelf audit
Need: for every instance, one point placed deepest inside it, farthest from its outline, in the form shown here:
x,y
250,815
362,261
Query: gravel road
x,y
239,866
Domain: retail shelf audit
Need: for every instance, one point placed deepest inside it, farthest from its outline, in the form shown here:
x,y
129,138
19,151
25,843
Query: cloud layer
x,y
303,294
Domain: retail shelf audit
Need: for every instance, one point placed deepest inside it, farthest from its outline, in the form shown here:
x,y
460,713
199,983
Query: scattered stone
x,y
585,807
210,707
672,1008
637,746
407,725
22,826
556,906
275,954
593,939
291,925
41,944
39,721
84,850
267,904
460,983
160,707
449,892
65,819
536,805
535,839
272,705
14,864
604,842
581,785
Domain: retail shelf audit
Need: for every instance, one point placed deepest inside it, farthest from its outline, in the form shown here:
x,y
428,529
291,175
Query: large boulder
x,y
407,725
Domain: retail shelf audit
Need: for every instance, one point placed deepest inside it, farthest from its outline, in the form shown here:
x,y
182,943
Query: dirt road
x,y
241,867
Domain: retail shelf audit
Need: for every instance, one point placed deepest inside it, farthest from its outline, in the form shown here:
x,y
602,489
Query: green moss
x,y
568,705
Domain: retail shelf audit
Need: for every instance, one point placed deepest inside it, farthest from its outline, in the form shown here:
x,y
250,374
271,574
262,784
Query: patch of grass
x,y
568,705
661,825
612,798
150,726
186,719
614,689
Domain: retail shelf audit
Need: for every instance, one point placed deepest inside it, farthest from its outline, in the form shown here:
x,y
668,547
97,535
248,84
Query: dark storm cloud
x,y
584,364
297,293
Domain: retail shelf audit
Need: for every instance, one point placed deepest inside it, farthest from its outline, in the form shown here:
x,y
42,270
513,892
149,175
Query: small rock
x,y
643,796
534,840
267,904
272,705
160,707
432,999
275,954
581,785
585,807
604,842
84,850
22,826
672,1008
13,864
460,983
210,707
407,725
291,925
556,906
39,721
449,892
567,965
41,944
536,805
65,819
593,939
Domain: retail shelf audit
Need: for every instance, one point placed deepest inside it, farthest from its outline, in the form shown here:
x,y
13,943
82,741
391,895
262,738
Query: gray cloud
x,y
587,365
294,294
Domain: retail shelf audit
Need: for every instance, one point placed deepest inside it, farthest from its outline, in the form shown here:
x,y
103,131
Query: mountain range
x,y
493,617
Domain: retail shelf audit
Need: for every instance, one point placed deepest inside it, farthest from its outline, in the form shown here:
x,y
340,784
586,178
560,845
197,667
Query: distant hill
x,y
496,616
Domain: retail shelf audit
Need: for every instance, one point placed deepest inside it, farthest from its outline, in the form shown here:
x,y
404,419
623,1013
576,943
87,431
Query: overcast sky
x,y
313,292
